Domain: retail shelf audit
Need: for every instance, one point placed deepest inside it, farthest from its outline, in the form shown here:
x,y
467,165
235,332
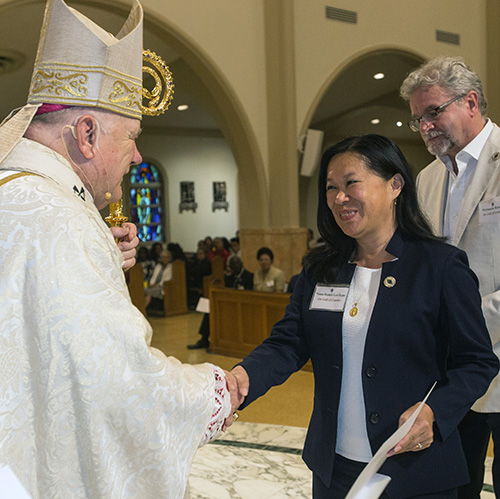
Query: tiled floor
x,y
257,461
254,461
259,456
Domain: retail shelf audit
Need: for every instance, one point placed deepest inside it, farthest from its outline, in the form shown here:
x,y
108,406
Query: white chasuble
x,y
87,408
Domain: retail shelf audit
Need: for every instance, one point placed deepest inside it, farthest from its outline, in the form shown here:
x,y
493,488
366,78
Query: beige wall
x,y
324,47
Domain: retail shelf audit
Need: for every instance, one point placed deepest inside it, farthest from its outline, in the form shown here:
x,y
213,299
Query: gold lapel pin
x,y
389,281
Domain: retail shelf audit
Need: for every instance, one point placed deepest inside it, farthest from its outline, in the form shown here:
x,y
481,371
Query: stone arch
x,y
410,143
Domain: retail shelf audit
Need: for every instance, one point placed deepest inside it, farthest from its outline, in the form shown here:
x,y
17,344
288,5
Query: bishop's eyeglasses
x,y
431,115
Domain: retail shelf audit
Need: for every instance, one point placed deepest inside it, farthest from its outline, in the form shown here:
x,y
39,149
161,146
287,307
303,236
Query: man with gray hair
x,y
460,193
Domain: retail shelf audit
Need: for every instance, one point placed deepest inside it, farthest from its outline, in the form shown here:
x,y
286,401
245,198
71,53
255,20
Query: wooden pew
x,y
216,278
135,283
241,320
174,291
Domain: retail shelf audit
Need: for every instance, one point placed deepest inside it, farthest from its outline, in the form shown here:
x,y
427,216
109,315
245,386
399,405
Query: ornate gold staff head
x,y
162,94
159,99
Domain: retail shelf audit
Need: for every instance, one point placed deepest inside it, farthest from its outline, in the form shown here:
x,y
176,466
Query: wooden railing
x,y
241,320
216,278
174,291
135,283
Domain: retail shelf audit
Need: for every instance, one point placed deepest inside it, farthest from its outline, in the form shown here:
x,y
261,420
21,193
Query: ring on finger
x,y
418,446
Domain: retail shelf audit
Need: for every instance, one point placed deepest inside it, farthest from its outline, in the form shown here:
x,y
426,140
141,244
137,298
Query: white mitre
x,y
80,64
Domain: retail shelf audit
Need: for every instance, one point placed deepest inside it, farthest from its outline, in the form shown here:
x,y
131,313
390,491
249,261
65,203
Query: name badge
x,y
489,211
330,298
269,283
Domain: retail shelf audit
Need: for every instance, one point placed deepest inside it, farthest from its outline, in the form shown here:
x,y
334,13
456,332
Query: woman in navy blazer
x,y
383,310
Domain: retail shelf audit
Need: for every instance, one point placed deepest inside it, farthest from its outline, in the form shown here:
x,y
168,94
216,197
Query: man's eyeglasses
x,y
431,115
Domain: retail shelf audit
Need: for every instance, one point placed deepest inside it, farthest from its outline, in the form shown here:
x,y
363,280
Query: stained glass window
x,y
145,201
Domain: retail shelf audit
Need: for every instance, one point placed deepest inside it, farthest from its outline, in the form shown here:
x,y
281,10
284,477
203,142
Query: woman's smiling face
x,y
361,202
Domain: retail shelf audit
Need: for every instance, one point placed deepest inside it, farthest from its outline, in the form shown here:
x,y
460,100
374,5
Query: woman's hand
x,y
421,434
237,383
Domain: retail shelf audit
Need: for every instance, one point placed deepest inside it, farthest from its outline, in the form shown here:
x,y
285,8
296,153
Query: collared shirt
x,y
458,184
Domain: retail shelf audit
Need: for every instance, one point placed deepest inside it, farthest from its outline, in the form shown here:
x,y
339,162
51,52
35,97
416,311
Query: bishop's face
x,y
117,151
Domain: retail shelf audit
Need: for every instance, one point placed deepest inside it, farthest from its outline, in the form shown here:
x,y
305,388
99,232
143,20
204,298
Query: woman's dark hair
x,y
226,243
176,251
143,254
265,251
384,158
155,250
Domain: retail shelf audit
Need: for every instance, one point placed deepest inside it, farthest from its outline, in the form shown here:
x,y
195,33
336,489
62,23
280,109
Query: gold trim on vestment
x,y
3,181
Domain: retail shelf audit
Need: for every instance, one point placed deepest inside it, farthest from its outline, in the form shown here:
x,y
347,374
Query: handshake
x,y
238,383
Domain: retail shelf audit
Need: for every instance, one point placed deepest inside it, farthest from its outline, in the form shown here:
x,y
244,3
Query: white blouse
x,y
352,436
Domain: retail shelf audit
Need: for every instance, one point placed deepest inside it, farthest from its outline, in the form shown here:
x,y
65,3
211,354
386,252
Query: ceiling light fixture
x,y
375,121
399,123
379,76
182,107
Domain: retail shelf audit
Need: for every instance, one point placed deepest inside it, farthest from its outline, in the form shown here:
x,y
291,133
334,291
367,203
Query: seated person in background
x,y
154,252
202,244
239,278
176,251
219,250
144,259
197,270
234,251
268,278
235,247
161,273
209,243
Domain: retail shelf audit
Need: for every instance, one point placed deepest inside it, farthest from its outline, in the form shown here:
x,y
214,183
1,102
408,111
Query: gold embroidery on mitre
x,y
162,94
54,82
124,94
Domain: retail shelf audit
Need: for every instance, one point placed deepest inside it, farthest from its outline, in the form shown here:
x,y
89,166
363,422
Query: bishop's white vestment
x,y
87,408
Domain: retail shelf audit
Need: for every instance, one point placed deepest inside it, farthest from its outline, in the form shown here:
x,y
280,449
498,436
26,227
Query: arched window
x,y
145,201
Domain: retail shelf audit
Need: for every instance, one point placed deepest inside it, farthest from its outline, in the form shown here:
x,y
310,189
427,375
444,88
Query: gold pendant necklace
x,y
354,310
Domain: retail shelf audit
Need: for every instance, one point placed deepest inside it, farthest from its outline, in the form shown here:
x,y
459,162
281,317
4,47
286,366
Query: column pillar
x,y
281,112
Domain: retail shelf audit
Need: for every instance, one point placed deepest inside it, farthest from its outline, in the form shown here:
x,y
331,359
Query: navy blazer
x,y
427,327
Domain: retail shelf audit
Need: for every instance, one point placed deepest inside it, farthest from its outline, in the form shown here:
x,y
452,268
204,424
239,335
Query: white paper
x,y
203,305
365,487
10,486
374,488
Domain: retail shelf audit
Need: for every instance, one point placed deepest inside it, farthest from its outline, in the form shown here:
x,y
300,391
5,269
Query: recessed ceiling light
x,y
375,121
379,76
399,123
182,107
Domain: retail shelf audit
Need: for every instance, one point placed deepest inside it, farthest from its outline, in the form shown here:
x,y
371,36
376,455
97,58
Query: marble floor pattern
x,y
254,461
258,461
